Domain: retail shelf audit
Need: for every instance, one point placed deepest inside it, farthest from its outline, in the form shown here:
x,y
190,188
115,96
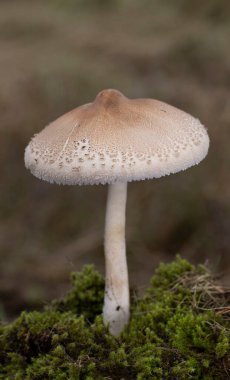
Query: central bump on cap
x,y
109,97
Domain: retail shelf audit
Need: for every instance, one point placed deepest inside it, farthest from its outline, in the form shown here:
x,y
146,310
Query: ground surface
x,y
179,330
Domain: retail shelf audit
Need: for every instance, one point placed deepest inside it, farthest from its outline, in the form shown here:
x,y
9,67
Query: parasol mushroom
x,y
115,140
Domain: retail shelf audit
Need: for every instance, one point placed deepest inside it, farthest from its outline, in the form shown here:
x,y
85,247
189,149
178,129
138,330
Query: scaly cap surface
x,y
116,139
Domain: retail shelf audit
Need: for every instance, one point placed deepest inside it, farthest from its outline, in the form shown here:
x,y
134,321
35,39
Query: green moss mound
x,y
180,329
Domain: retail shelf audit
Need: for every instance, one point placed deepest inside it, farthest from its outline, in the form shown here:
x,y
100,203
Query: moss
x,y
85,296
179,329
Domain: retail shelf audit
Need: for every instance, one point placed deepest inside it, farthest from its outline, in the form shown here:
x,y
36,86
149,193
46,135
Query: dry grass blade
x,y
207,293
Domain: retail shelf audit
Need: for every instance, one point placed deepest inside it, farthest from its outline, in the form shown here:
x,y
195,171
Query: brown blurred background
x,y
56,55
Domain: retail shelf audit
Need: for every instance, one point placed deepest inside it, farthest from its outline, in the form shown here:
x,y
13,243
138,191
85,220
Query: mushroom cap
x,y
116,139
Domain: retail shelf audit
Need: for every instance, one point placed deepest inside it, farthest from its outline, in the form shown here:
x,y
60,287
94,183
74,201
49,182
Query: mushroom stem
x,y
116,300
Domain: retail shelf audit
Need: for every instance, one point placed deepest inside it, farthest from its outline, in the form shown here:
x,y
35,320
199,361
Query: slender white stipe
x,y
116,301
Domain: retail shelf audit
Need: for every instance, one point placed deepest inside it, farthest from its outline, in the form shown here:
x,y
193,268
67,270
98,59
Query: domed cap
x,y
116,139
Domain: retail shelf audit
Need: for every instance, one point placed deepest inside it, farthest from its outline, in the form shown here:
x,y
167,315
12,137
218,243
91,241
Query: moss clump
x,y
85,296
179,330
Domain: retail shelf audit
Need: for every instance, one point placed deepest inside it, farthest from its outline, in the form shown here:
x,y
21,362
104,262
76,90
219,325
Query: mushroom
x,y
115,140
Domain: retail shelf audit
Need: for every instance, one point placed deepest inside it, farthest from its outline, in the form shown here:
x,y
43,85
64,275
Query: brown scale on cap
x,y
100,137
